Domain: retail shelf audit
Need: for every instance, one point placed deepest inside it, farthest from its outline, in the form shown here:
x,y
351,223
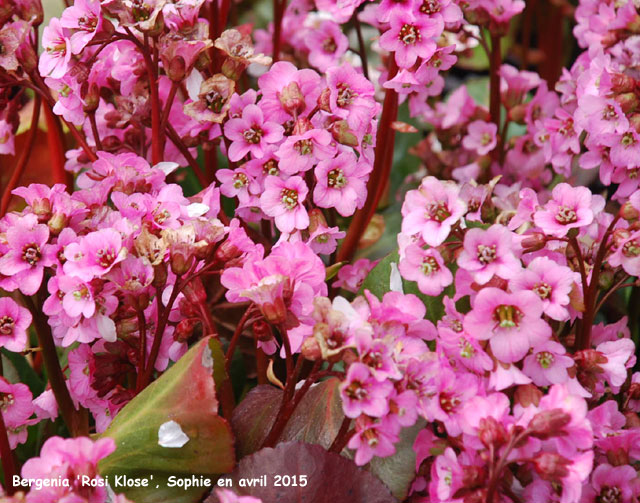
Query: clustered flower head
x,y
484,334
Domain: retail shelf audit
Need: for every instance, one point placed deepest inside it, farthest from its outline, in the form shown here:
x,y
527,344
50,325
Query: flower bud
x,y
274,312
342,134
292,99
57,223
181,259
518,113
628,212
316,220
262,331
160,274
27,57
527,394
533,242
627,101
194,291
233,68
622,83
177,69
311,349
633,421
548,423
91,98
491,432
551,466
324,102
618,457
184,329
606,279
302,125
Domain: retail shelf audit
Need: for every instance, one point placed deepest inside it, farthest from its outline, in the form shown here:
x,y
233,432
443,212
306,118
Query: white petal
x,y
395,280
194,81
167,167
171,435
197,209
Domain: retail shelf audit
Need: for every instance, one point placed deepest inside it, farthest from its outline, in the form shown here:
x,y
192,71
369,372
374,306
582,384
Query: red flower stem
x,y
193,164
380,174
55,141
161,323
494,82
24,157
583,273
207,318
167,106
343,436
279,7
591,295
73,418
501,465
618,286
362,48
224,14
6,455
94,130
142,332
526,32
236,337
156,134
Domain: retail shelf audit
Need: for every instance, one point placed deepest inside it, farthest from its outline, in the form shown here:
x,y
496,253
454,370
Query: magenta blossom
x,y
351,96
550,281
362,394
570,208
548,364
432,210
489,252
14,322
95,254
511,322
481,137
251,133
282,199
341,183
411,37
56,57
27,255
427,268
302,152
326,44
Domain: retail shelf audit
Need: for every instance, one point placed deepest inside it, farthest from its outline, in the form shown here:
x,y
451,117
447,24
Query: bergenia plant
x,y
323,251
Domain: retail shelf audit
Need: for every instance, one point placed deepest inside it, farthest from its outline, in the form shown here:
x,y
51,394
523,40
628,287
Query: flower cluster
x,y
227,190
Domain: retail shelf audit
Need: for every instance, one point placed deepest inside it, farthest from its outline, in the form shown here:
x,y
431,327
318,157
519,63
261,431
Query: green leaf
x,y
185,394
398,471
378,283
20,368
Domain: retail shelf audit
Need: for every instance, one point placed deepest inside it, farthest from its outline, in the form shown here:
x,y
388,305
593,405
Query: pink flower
x,y
282,199
411,37
85,17
351,276
284,75
627,255
570,208
511,322
432,210
489,252
16,403
69,459
547,364
362,394
95,254
283,284
482,413
341,183
302,152
14,322
427,268
326,44
228,496
372,438
251,133
351,96
616,483
550,281
481,137
27,254
54,61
